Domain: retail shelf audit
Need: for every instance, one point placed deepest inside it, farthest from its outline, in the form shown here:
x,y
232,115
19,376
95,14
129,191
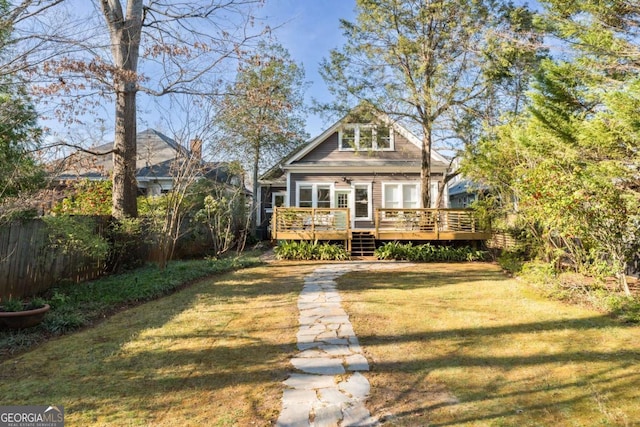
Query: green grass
x,y
74,306
461,344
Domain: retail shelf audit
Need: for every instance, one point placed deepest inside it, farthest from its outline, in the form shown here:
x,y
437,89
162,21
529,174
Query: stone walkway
x,y
329,388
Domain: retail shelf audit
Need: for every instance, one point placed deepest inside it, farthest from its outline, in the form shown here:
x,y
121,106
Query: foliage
x,y
570,161
308,251
76,235
19,139
12,305
77,305
127,238
429,63
262,115
511,261
86,198
428,253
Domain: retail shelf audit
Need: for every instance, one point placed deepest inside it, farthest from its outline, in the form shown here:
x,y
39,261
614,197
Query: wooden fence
x,y
30,265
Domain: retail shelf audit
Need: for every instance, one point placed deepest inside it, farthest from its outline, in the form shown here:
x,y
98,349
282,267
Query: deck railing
x,y
309,221
402,224
427,220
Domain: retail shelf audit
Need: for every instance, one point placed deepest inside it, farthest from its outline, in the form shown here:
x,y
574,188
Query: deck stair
x,y
363,244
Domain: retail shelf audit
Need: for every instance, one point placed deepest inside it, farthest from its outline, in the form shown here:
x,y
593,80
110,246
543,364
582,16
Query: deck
x,y
389,224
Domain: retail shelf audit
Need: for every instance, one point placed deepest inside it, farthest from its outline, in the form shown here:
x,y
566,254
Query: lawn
x,y
449,344
215,353
461,344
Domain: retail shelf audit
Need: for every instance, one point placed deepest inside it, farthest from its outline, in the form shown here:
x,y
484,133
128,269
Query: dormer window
x,y
365,137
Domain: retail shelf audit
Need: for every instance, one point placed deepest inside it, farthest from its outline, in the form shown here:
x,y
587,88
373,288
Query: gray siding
x,y
328,151
336,179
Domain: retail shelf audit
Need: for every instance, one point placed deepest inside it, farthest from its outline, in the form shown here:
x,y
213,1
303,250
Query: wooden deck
x,y
389,224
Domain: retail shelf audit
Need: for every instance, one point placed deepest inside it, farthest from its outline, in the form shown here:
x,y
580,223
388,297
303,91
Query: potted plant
x,y
15,314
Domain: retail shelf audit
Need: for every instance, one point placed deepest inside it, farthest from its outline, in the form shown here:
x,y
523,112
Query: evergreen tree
x,y
420,61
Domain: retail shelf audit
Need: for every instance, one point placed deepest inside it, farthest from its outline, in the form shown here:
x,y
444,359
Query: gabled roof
x,y
315,142
153,150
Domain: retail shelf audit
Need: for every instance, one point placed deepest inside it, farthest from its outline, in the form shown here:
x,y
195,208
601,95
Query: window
x,y
306,197
365,137
314,195
348,138
277,200
362,205
384,138
323,197
400,195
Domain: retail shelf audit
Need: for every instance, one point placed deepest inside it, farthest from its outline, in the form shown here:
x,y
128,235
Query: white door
x,y
344,200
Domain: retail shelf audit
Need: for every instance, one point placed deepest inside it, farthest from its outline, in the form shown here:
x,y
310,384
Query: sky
x,y
309,29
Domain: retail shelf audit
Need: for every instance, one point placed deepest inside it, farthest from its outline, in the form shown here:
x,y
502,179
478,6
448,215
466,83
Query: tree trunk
x,y
124,32
425,167
125,187
254,201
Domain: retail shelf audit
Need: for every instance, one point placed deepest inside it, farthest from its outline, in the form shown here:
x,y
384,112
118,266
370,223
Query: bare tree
x,y
151,47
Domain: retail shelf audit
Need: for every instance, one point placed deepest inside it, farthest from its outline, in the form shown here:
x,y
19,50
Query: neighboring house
x,y
464,192
160,161
368,171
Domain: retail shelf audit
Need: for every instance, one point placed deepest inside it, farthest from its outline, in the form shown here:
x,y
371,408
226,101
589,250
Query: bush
x,y
428,253
511,261
307,251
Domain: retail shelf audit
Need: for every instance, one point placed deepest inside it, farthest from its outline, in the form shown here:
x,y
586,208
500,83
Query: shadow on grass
x,y
96,368
602,373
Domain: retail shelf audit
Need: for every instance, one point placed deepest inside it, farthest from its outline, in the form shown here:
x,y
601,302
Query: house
x,y
463,193
160,161
358,180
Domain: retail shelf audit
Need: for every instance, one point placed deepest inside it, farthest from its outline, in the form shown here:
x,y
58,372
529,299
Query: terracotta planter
x,y
22,319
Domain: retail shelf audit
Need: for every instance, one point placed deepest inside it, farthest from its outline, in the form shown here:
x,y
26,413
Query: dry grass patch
x,y
461,344
213,354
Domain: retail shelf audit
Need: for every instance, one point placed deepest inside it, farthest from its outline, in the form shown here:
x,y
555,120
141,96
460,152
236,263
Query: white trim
x,y
314,192
401,185
369,186
278,193
259,207
365,168
288,190
357,127
314,142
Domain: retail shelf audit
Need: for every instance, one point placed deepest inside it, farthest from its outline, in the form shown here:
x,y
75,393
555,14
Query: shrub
x,y
307,251
511,261
428,253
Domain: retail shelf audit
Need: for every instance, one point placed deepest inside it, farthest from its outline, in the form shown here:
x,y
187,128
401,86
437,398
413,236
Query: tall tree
x,y
19,133
572,159
417,61
263,112
150,47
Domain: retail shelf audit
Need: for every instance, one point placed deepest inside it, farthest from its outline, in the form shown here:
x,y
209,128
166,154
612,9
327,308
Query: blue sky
x,y
309,29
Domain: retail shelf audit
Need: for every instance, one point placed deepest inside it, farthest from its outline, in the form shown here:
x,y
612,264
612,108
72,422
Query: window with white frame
x,y
365,137
278,199
314,195
398,195
362,201
305,196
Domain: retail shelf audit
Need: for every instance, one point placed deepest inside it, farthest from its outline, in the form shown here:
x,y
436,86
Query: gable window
x,y
365,137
